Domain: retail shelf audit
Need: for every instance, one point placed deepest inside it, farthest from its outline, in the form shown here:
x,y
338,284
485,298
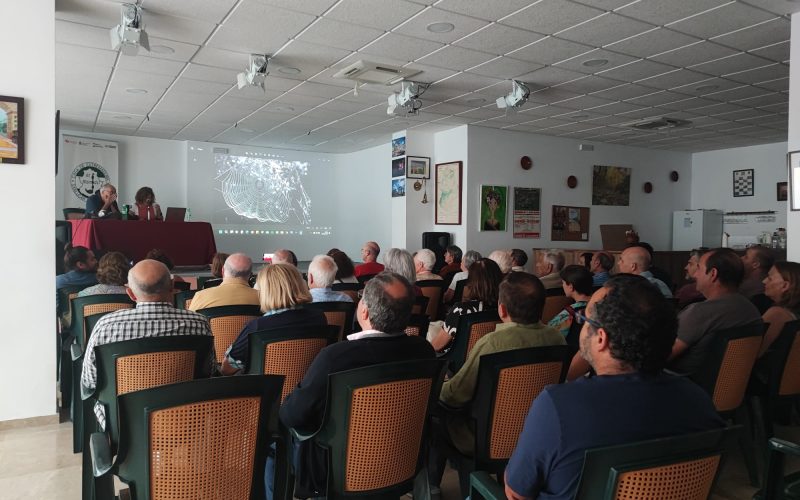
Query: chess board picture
x,y
743,183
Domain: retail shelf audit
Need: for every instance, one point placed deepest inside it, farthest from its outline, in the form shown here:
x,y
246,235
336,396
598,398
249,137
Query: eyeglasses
x,y
580,318
361,293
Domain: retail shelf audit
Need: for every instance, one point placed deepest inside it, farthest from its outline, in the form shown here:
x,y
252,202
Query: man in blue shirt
x,y
627,338
601,265
321,273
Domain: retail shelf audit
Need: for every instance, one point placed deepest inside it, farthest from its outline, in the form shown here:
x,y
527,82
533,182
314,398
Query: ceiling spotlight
x,y
255,73
516,98
441,27
407,98
129,34
595,63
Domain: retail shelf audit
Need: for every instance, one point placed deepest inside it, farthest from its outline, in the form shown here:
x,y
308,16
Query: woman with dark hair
x,y
482,290
112,274
80,264
576,281
161,256
145,207
217,262
345,270
782,285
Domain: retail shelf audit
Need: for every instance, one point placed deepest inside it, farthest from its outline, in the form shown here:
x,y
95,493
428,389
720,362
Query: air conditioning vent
x,y
658,123
369,72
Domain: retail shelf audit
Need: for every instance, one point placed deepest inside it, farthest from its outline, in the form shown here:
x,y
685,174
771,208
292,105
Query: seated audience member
x,y
601,265
782,285
626,338
503,260
217,261
150,286
400,261
103,203
469,257
518,260
283,256
548,268
321,273
657,272
234,289
424,260
718,277
145,207
688,294
112,274
161,256
383,313
452,261
81,266
757,262
345,271
577,283
281,291
369,255
586,259
636,260
483,283
520,303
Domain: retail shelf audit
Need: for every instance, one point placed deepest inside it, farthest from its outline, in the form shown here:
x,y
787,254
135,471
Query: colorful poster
x,y
398,187
494,204
527,214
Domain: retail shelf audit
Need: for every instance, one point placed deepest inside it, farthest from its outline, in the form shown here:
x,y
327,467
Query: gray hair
x,y
234,271
108,186
284,256
324,269
503,260
470,257
556,258
387,313
151,288
427,257
398,260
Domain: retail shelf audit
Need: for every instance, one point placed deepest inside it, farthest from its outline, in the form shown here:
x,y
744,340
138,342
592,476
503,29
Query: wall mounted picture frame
x,y
782,193
398,187
743,183
793,163
12,129
494,207
570,223
527,213
448,193
398,147
611,186
418,167
399,167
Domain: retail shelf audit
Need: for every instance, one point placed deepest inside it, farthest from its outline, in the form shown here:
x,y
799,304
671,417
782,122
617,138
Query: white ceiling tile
x,y
614,59
687,104
727,18
505,68
151,65
401,47
456,58
209,74
466,82
550,50
309,58
779,85
190,86
778,52
695,53
673,79
769,33
619,108
154,84
180,51
652,42
220,58
363,12
417,27
315,7
430,73
549,95
766,73
338,34
92,12
498,39
211,11
732,64
606,29
82,34
244,31
739,93
661,13
635,71
622,92
583,102
550,76
589,84
657,98
489,11
89,56
318,90
765,100
551,16
181,29
707,86
780,7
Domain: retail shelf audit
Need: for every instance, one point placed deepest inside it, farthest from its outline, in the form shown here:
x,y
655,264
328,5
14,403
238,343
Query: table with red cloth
x,y
186,243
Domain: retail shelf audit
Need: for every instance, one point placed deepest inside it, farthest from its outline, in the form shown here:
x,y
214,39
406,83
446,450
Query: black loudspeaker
x,y
438,243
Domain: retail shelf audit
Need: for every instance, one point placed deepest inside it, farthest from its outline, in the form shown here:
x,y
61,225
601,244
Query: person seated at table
x,y
112,274
576,281
782,285
103,203
217,261
281,292
145,207
345,270
161,256
483,287
284,256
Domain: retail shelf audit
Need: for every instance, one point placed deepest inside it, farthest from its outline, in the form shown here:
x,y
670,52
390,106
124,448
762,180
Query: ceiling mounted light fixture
x,y
129,34
407,98
595,63
441,27
255,73
516,98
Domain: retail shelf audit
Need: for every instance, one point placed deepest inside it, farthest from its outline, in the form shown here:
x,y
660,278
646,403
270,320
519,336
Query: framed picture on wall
x,y
12,129
570,223
418,167
448,193
494,205
783,191
743,183
793,159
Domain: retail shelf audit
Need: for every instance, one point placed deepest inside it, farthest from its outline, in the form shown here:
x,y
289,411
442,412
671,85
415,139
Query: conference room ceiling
x,y
722,65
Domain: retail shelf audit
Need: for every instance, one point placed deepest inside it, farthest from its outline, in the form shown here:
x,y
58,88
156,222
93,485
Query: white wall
x,y
793,218
419,216
494,158
28,370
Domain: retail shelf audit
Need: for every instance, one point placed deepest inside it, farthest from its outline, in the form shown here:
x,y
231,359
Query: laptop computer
x,y
175,214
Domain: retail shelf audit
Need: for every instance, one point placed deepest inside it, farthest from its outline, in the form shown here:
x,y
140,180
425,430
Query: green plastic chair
x,y
132,365
184,298
471,327
63,325
336,313
434,290
776,485
226,324
375,427
418,325
199,439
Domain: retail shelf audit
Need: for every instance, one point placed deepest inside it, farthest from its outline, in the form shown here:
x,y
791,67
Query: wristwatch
x,y
101,213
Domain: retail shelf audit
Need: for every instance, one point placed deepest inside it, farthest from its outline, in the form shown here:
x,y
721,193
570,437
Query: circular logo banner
x,y
87,178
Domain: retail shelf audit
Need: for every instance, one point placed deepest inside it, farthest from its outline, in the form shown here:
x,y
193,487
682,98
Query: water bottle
x,y
188,215
124,211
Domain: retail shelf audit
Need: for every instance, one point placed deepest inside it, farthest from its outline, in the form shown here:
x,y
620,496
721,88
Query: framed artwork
x,y
418,167
494,203
611,186
793,160
399,167
398,187
12,129
570,223
527,214
743,183
783,191
398,147
448,193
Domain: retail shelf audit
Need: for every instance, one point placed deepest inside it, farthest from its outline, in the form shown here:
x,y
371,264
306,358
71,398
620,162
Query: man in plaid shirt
x,y
150,286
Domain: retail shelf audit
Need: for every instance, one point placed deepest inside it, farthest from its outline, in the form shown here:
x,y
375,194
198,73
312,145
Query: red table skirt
x,y
186,243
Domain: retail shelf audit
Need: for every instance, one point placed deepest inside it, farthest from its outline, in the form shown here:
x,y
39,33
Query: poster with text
x,y
88,164
527,214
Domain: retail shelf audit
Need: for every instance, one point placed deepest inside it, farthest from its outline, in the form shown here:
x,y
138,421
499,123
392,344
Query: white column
x,y
793,218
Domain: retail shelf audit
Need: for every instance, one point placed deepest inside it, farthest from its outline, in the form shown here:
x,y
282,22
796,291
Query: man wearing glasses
x,y
628,332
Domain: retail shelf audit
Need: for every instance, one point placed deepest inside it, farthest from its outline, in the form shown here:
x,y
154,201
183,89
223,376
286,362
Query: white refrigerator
x,y
696,228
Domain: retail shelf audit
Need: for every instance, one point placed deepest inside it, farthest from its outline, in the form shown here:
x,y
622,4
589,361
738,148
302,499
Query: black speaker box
x,y
438,243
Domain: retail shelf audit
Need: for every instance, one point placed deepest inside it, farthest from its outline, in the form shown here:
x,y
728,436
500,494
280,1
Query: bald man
x,y
369,254
234,290
150,286
636,260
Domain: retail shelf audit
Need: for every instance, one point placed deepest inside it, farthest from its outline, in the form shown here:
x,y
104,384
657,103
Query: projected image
x,y
264,189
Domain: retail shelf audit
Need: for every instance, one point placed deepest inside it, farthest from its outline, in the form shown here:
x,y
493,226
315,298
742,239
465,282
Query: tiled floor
x,y
37,462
